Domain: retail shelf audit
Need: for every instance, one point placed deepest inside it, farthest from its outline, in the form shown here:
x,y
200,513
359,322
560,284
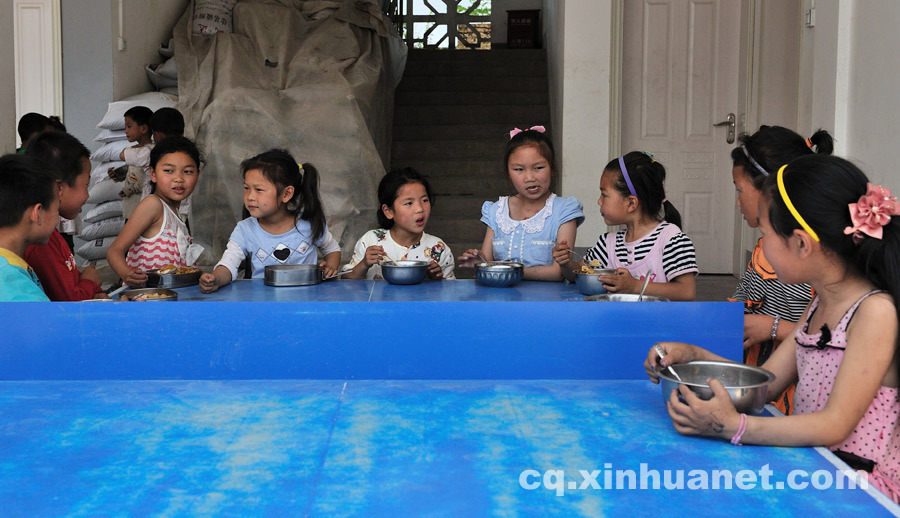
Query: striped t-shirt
x,y
679,255
763,294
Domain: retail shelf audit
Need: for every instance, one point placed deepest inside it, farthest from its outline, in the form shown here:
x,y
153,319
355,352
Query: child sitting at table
x,y
286,223
406,199
524,227
29,212
771,307
54,263
823,224
155,236
652,244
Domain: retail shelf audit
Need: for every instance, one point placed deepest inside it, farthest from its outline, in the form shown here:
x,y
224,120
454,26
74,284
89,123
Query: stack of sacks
x,y
165,75
104,221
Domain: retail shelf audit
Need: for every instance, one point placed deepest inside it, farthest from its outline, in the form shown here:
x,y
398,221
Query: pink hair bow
x,y
516,131
872,212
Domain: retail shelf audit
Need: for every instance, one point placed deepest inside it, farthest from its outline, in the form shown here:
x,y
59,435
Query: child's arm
x,y
471,257
331,264
210,282
758,328
564,258
552,271
147,214
868,364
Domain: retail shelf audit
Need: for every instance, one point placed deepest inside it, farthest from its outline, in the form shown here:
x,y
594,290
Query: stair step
x,y
498,133
455,207
444,83
404,150
457,230
488,187
470,114
458,168
477,70
410,98
480,55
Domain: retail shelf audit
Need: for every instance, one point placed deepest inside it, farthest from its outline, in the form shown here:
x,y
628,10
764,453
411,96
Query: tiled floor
x,y
715,288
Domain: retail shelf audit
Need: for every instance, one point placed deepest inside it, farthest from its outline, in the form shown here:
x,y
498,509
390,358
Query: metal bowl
x,y
154,294
292,274
589,283
404,272
745,384
172,280
499,274
624,297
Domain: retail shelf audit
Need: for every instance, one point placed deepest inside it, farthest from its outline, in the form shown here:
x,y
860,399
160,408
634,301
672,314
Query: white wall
x,y
8,136
147,25
580,57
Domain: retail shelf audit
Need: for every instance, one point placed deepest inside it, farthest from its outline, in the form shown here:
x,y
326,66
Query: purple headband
x,y
758,167
625,174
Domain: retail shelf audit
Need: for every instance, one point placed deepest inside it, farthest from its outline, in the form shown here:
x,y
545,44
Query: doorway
x,y
38,57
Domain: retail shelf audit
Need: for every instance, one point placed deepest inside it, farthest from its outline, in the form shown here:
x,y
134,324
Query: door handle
x,y
729,121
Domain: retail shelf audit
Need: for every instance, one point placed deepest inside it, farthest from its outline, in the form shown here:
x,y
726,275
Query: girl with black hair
x,y
652,244
824,224
286,223
406,200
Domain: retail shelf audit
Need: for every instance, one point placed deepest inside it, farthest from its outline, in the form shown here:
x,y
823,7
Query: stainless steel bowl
x,y
624,297
173,280
149,295
404,272
292,274
589,284
745,384
499,274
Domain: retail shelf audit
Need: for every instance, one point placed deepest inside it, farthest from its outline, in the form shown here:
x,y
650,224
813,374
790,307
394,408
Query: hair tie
x,y
755,164
665,200
516,131
809,143
790,206
625,174
872,212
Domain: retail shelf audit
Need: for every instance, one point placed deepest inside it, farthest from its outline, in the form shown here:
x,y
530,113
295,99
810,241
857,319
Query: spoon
x,y
338,274
659,350
644,287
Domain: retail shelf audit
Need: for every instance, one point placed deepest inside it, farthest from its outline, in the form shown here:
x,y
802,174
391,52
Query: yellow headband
x,y
790,206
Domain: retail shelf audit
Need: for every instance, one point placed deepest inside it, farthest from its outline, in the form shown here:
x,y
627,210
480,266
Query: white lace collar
x,y
532,225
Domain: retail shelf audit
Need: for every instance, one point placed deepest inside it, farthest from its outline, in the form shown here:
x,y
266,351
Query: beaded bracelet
x,y
736,440
775,327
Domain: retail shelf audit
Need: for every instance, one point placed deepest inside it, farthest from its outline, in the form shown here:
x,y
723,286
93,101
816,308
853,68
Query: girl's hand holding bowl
x,y
136,279
621,282
691,415
327,271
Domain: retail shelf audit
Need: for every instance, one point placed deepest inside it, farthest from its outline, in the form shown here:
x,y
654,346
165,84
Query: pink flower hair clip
x,y
516,131
872,212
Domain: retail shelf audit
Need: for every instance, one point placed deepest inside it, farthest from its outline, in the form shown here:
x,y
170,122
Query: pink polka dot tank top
x,y
168,246
875,437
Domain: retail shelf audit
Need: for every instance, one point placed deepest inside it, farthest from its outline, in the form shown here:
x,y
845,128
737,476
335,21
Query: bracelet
x,y
775,327
736,440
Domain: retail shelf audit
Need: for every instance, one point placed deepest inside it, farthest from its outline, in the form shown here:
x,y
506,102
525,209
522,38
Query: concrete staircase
x,y
452,115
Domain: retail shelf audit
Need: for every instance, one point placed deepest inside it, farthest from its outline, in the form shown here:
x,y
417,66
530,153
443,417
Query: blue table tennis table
x,y
363,398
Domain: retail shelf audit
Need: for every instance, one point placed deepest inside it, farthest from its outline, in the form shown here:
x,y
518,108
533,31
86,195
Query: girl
x,y
525,227
406,199
770,306
632,194
286,223
54,263
822,223
154,236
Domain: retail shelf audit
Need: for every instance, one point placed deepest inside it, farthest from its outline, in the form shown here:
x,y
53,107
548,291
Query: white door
x,y
38,63
679,78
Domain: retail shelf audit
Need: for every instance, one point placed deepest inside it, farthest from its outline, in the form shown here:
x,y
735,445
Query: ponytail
x,y
762,153
310,204
647,178
823,142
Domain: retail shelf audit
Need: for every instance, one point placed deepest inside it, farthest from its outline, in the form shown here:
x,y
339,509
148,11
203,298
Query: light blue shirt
x,y
529,241
18,282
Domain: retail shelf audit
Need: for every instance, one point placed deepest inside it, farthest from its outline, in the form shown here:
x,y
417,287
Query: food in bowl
x,y
404,272
747,385
171,269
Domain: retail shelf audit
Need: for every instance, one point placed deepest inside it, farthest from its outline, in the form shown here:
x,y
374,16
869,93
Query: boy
x,y
137,158
54,263
29,211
